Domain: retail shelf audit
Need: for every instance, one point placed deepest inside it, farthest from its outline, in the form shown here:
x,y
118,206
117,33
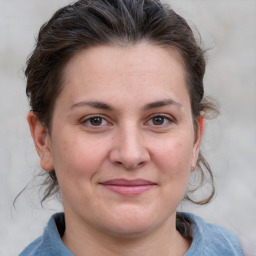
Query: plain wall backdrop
x,y
228,29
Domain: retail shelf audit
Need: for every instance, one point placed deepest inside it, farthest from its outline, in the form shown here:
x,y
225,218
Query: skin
x,y
140,127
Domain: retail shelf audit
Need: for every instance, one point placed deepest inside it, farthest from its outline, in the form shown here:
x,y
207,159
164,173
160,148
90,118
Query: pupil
x,y
96,121
158,120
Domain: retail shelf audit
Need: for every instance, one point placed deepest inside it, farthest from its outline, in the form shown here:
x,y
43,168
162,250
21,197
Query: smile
x,y
128,187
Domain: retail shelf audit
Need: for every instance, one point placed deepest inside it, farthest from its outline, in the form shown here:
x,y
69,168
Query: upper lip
x,y
125,182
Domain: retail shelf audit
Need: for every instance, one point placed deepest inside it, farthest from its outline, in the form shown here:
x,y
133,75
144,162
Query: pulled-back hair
x,y
89,23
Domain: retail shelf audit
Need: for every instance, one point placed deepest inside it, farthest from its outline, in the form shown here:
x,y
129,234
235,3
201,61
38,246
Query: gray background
x,y
228,27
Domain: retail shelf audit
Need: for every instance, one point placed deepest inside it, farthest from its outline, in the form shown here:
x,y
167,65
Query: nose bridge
x,y
130,141
130,149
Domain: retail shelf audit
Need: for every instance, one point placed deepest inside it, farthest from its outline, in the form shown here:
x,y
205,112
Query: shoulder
x,y
209,239
50,243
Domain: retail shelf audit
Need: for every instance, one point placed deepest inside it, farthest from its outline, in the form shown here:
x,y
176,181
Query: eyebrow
x,y
94,104
162,103
102,105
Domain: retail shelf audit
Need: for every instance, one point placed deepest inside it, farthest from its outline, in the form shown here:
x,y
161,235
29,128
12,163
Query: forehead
x,y
142,57
111,69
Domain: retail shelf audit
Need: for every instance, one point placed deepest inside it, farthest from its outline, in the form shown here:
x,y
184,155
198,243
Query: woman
x,y
117,117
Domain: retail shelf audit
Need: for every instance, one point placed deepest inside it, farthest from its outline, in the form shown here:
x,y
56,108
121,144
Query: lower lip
x,y
129,190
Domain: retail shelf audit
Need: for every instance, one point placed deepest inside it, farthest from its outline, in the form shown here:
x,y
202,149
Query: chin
x,y
131,223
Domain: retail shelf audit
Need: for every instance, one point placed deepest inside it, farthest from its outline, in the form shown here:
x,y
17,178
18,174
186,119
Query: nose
x,y
129,149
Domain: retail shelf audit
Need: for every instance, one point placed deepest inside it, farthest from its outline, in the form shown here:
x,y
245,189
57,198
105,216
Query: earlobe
x,y
197,142
42,141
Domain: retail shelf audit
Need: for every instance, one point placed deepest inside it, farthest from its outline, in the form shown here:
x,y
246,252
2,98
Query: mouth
x,y
128,187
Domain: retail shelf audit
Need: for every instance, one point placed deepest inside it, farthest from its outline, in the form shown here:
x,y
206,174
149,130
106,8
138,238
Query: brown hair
x,y
88,23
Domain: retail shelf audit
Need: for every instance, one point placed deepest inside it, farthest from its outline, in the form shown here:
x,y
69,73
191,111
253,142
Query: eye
x,y
160,120
94,121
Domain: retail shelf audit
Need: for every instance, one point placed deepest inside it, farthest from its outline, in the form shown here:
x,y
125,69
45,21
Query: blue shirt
x,y
208,239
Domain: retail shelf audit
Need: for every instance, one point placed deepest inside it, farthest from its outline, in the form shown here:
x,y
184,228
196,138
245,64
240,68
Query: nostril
x,y
141,163
129,166
118,163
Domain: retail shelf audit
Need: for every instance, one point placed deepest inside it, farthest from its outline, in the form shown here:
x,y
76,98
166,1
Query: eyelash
x,y
167,120
89,119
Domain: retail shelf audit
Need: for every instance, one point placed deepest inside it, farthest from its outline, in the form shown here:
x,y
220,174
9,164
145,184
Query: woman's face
x,y
122,141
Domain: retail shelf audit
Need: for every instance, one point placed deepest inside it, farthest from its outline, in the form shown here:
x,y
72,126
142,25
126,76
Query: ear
x,y
197,142
42,141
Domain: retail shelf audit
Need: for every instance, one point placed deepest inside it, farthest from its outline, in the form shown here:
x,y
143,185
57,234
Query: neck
x,y
165,241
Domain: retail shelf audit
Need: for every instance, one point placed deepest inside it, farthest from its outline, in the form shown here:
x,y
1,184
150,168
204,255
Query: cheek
x,y
77,157
174,156
77,163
